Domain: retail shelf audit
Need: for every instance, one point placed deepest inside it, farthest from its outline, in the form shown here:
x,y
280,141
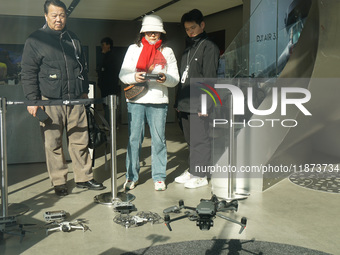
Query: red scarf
x,y
150,56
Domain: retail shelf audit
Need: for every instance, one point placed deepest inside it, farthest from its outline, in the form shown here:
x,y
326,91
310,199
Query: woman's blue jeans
x,y
155,115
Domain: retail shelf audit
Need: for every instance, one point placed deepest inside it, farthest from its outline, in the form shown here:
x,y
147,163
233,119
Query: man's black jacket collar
x,y
193,41
48,30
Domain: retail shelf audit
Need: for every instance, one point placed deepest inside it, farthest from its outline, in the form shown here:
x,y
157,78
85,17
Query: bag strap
x,y
106,124
102,119
128,87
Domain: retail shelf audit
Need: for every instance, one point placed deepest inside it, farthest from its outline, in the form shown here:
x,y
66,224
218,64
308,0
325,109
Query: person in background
x,y
108,71
199,60
12,69
149,55
54,67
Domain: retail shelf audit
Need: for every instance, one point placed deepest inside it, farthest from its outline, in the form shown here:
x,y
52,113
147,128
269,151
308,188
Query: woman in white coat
x,y
149,55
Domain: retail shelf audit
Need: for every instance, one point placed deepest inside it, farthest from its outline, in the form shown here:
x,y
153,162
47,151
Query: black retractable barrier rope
x,y
58,102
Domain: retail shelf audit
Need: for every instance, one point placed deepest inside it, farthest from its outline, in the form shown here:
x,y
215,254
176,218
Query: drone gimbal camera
x,y
204,213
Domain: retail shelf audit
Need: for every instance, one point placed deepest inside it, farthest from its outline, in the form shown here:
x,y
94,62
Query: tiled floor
x,y
285,213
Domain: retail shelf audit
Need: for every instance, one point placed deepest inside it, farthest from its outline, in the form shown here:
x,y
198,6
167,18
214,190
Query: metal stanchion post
x,y
232,155
113,129
12,209
110,198
3,151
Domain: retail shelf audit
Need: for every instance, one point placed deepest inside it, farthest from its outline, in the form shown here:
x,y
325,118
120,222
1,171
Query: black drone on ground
x,y
205,213
10,226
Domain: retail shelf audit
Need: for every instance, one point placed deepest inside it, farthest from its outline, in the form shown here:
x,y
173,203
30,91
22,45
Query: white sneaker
x,y
160,186
195,182
183,178
129,184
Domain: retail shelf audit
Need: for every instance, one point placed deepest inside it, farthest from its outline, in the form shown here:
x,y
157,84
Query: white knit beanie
x,y
152,23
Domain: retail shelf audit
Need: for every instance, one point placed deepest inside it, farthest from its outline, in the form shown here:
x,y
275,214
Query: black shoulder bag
x,y
97,134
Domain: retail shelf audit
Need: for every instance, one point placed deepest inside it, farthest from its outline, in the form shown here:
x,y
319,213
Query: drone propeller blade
x,y
167,221
28,224
82,220
168,225
241,229
85,227
244,224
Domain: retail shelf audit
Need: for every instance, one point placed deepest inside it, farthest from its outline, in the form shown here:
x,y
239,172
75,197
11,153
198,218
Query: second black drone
x,y
205,213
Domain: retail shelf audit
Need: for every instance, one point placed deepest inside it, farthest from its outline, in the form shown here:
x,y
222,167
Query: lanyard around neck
x,y
186,71
189,61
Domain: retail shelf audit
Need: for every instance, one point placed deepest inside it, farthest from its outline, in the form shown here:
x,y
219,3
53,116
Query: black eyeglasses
x,y
151,33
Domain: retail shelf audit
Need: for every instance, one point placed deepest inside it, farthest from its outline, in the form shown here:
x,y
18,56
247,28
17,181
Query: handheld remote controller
x,y
149,76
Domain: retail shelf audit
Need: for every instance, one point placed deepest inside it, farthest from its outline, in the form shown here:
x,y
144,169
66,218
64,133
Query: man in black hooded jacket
x,y
54,67
199,60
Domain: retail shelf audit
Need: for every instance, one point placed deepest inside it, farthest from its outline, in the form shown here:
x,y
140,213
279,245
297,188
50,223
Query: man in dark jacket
x,y
54,67
199,60
108,70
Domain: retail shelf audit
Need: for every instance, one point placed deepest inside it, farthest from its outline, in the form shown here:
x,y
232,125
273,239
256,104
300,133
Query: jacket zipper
x,y
67,72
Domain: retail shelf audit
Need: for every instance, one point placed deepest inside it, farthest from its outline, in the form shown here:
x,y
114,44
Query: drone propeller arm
x,y
178,218
52,229
182,206
224,206
177,209
174,209
189,208
77,227
243,222
167,220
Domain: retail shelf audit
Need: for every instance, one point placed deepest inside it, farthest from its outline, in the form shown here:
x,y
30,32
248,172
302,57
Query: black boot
x,y
61,190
